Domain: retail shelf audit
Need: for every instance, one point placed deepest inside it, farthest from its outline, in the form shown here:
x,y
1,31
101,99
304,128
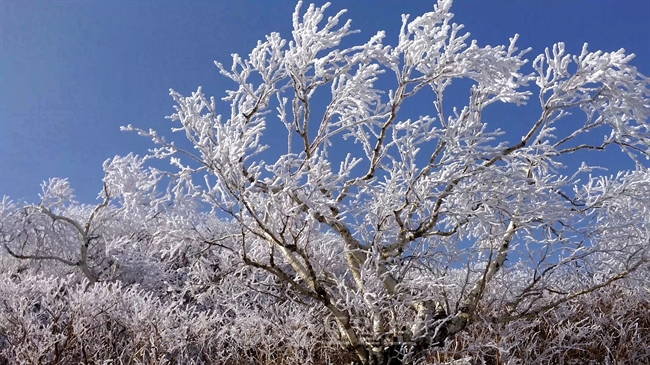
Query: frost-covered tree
x,y
404,236
398,230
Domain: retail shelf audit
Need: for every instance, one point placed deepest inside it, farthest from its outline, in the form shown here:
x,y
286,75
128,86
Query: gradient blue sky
x,y
73,72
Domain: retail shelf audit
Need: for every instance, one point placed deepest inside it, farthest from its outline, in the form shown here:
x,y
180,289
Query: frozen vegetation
x,y
373,233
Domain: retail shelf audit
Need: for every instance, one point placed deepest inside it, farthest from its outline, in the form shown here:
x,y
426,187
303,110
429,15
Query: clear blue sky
x,y
73,72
